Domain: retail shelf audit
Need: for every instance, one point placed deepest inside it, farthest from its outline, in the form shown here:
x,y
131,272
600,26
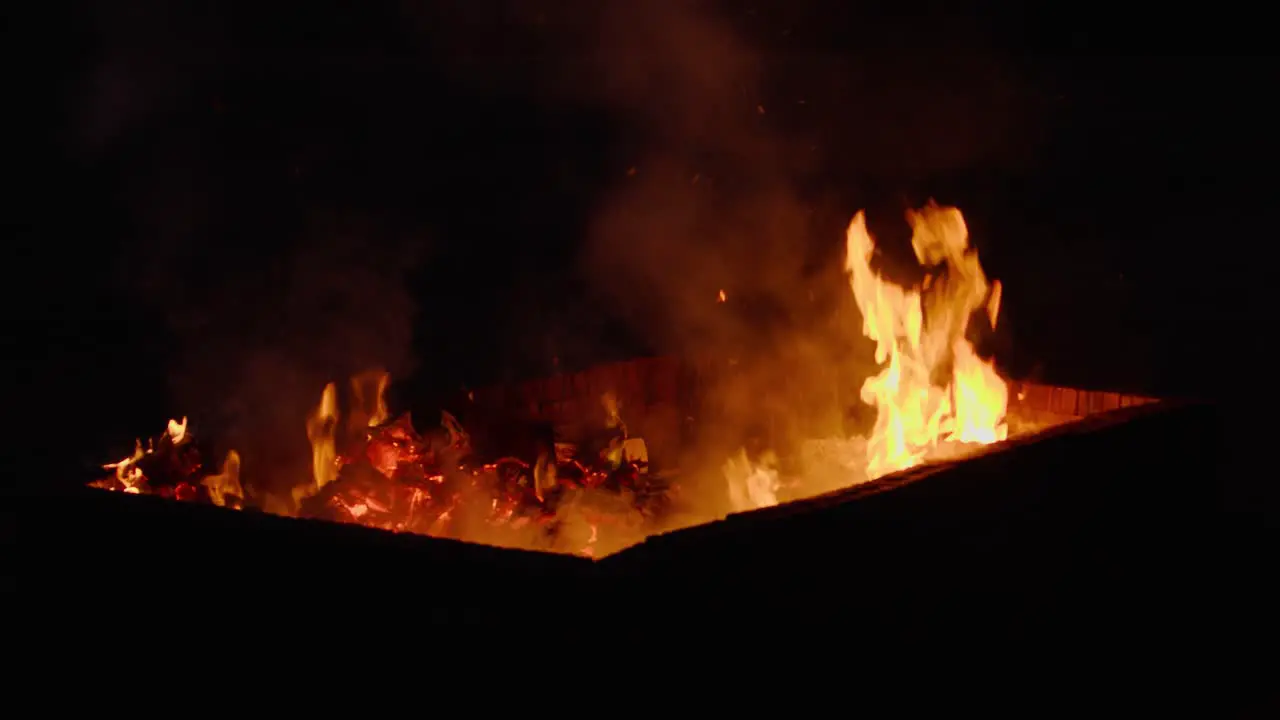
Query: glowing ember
x,y
386,475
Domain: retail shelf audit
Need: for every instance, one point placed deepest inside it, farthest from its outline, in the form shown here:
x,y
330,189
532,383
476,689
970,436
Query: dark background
x,y
229,205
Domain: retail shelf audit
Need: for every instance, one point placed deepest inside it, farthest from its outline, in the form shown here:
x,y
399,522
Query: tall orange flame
x,y
914,411
321,430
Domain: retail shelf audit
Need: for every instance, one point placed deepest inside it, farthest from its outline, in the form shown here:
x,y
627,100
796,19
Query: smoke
x,y
712,188
724,126
712,202
744,139
270,282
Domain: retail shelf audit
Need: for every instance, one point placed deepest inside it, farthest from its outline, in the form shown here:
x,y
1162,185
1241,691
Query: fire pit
x,y
935,400
386,475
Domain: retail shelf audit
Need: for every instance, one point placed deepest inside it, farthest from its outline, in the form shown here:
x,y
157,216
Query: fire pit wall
x,y
1036,405
655,393
648,390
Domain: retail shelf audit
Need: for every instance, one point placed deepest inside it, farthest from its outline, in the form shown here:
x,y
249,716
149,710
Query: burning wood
x,y
387,475
170,466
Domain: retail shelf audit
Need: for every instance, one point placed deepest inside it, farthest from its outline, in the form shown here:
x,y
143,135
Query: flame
x,y
424,484
226,485
612,411
177,431
615,453
321,430
129,474
127,470
369,396
721,297
932,386
589,550
544,475
380,413
752,485
456,433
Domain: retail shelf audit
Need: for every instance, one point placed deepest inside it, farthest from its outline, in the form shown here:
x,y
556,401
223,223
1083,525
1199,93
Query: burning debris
x,y
385,474
170,466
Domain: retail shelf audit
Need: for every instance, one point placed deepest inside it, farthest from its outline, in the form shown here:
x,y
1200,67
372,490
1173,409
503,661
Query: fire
x,y
933,387
369,470
751,484
321,432
369,395
177,431
171,455
128,473
224,488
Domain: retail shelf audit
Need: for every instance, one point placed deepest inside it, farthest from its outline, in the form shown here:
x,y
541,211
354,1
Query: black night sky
x,y
469,192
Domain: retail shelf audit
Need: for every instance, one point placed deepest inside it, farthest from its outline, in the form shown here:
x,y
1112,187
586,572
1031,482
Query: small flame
x,y
457,434
380,413
227,483
722,297
127,470
544,475
321,427
589,548
369,395
177,431
993,303
751,485
612,415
